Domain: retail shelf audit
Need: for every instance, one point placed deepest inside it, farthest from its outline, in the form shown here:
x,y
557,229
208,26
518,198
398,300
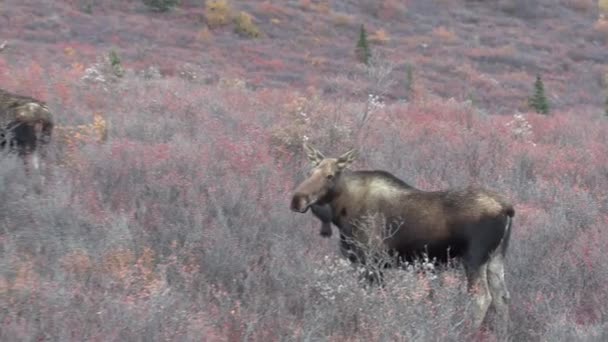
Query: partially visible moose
x,y
26,125
472,224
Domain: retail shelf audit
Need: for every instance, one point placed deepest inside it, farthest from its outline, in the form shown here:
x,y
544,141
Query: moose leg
x,y
499,291
478,287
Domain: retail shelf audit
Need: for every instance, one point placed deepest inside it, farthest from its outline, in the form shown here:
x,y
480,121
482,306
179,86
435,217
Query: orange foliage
x,y
391,9
379,37
315,6
268,7
581,5
316,61
26,278
77,262
601,27
444,34
205,35
118,262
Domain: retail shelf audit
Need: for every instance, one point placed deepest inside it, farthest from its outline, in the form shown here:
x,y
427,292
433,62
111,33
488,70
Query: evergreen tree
x,y
116,64
363,51
538,101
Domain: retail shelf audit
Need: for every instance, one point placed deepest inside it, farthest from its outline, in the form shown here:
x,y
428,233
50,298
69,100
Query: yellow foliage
x,y
217,12
317,61
245,26
72,136
342,19
603,6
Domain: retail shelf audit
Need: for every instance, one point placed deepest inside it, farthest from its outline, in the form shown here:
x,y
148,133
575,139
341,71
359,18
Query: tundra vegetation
x,y
178,227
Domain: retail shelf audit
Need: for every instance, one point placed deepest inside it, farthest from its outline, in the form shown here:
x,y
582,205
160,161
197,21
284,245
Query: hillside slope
x,y
486,51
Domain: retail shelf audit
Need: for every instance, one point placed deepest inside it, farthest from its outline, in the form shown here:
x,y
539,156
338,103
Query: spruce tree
x,y
538,101
363,51
116,64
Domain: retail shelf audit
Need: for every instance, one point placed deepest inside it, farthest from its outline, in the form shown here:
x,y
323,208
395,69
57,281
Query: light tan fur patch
x,y
489,204
381,188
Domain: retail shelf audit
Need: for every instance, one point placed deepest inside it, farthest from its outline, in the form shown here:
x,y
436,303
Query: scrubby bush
x,y
178,227
217,13
161,5
245,27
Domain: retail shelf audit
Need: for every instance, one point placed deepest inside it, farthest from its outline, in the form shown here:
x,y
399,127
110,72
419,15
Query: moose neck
x,y
340,191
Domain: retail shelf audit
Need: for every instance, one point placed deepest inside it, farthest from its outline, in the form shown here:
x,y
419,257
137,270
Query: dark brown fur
x,y
471,223
26,124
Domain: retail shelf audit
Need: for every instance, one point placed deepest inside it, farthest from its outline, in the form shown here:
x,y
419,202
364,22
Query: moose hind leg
x,y
500,293
479,288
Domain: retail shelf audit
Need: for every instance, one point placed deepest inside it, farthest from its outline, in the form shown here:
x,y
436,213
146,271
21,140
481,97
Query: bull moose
x,y
26,125
472,224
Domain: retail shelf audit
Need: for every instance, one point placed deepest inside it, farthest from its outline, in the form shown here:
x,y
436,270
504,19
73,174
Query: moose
x,y
471,223
26,125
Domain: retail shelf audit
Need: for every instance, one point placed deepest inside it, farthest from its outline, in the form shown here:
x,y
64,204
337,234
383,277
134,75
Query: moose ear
x,y
313,154
347,158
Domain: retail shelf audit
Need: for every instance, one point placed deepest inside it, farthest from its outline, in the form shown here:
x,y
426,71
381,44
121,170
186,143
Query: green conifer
x,y
538,101
363,50
116,64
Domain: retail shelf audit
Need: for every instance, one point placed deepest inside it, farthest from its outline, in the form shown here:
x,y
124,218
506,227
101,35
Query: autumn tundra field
x,y
176,226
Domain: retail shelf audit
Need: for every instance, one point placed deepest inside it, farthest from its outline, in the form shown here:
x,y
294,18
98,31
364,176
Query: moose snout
x,y
299,203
